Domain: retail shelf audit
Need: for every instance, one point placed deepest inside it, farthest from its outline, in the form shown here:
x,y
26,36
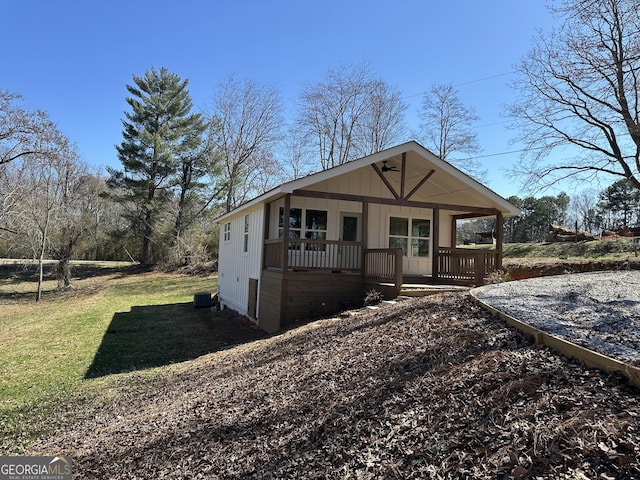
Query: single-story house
x,y
376,222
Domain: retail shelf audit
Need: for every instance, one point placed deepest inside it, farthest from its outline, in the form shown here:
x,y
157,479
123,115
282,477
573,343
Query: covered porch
x,y
402,231
305,278
461,266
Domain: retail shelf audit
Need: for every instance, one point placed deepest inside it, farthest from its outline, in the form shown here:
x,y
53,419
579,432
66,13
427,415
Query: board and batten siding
x,y
235,266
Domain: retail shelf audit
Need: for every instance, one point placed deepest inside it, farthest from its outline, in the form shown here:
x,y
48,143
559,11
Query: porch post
x,y
364,237
286,213
435,243
265,233
454,227
499,239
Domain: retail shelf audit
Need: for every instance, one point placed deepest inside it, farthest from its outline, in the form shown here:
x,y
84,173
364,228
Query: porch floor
x,y
423,289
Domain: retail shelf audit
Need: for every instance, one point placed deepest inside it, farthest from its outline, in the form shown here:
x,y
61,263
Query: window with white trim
x,y
226,232
245,248
314,226
412,235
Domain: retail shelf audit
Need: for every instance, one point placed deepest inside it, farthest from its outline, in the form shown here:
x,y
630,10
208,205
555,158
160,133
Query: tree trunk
x,y
45,232
63,274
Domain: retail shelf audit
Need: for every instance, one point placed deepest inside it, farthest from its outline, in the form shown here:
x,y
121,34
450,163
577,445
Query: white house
x,y
380,220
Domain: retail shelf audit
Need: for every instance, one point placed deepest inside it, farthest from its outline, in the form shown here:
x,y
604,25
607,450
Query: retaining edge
x,y
565,347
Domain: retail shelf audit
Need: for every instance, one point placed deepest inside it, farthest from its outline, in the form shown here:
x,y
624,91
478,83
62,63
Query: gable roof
x,y
450,180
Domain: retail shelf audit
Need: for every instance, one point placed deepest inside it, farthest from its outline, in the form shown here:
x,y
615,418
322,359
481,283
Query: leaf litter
x,y
432,388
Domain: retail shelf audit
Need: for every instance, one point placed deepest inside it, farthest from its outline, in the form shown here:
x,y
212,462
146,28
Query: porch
x,y
461,266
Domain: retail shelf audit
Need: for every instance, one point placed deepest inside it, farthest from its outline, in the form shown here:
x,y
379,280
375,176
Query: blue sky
x,y
73,59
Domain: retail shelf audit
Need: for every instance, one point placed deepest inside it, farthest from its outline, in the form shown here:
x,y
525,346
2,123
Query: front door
x,y
350,227
350,231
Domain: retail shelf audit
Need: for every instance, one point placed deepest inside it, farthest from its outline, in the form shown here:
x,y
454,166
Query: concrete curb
x,y
569,349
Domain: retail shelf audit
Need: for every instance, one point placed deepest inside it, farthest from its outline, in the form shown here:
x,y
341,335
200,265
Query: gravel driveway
x,y
597,310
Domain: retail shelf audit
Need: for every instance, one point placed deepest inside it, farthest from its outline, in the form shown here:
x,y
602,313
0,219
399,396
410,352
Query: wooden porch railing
x,y
380,264
466,265
383,265
307,254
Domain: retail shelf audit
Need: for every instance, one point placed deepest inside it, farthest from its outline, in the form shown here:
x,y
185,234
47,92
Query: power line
x,y
501,153
504,74
486,78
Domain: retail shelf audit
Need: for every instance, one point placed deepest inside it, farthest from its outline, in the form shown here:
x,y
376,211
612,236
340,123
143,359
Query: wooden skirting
x,y
291,297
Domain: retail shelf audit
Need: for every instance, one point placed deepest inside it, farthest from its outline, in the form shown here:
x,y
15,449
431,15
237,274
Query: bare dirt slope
x,y
428,388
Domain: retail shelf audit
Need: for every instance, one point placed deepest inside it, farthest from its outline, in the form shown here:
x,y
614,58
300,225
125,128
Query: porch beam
x,y
386,182
420,183
466,216
483,211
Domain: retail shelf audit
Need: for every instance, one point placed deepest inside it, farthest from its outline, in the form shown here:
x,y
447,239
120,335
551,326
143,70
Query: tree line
x,y
181,168
613,208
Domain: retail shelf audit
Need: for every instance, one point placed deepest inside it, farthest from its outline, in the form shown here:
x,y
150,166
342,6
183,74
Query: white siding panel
x,y
235,267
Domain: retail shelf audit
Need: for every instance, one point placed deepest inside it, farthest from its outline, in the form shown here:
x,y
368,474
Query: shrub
x,y
499,276
373,297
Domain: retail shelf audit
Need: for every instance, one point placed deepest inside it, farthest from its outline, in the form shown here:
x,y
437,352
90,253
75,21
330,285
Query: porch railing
x,y
380,264
466,265
308,254
383,265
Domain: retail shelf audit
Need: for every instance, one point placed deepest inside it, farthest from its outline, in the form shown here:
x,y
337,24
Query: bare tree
x,y
22,132
446,128
297,154
50,215
350,114
584,211
249,120
578,87
382,122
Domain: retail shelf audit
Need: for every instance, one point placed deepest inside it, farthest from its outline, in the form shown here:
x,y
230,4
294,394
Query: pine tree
x,y
159,135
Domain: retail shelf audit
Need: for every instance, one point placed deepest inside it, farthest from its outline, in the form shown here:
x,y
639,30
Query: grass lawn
x,y
600,249
64,350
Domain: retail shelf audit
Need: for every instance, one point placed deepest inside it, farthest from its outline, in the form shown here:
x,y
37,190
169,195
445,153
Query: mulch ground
x,y
429,388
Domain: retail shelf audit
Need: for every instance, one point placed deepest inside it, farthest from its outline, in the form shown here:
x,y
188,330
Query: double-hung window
x,y
226,233
412,235
303,223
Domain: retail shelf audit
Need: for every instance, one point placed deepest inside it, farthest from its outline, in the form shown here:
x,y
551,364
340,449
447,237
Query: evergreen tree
x,y
160,134
619,205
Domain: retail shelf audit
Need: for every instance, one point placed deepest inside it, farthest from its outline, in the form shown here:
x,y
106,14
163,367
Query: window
x,y
316,228
226,235
295,225
313,228
246,234
411,235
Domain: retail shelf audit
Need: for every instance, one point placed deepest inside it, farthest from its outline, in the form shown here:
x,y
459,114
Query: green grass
x,y
601,249
73,346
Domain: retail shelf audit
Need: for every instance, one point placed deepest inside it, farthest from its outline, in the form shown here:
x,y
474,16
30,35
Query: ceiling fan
x,y
388,169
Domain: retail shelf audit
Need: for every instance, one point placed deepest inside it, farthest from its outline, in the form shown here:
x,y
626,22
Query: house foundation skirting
x,y
291,297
